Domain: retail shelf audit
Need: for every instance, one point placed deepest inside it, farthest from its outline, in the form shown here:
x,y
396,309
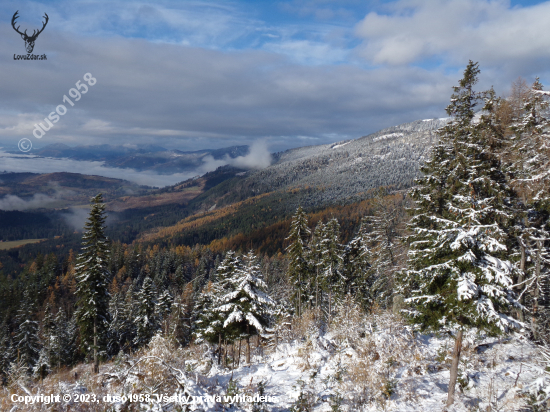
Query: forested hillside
x,y
319,281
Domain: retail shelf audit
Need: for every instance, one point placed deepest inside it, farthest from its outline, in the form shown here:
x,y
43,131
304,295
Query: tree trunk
x,y
299,295
317,288
220,350
521,277
535,292
454,368
329,306
96,358
239,358
248,344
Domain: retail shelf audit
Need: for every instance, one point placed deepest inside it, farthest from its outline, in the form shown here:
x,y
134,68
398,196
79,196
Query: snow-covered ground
x,y
355,363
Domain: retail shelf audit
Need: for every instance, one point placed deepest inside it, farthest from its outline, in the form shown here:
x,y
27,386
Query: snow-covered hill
x,y
347,169
356,363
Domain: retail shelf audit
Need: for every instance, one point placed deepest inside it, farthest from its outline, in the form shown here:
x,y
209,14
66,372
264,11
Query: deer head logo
x,y
29,40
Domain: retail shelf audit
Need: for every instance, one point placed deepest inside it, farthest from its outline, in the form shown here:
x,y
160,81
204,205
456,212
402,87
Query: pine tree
x,y
26,338
298,267
92,276
210,319
385,250
529,162
180,317
357,270
146,321
458,272
6,350
163,308
43,366
331,281
117,323
63,340
313,287
207,323
246,308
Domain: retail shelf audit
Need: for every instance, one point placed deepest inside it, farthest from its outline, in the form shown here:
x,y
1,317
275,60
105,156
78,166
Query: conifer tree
x,y
63,345
180,316
313,288
43,366
26,338
298,267
92,276
210,320
6,350
207,325
356,267
330,265
146,321
529,161
163,308
246,308
385,250
459,275
116,324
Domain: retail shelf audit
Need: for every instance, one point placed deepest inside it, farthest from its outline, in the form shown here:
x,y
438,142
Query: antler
x,y
15,16
42,29
34,33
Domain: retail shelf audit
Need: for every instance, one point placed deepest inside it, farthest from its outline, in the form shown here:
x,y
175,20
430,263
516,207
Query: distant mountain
x,y
141,157
94,152
338,172
257,204
234,207
20,191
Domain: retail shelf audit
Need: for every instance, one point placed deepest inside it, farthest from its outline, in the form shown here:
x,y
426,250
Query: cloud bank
x,y
194,75
38,200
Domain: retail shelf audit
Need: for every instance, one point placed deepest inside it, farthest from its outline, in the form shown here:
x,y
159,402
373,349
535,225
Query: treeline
x,y
174,291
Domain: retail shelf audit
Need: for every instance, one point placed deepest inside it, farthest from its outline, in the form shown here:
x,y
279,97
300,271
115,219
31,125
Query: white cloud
x,y
17,163
309,52
257,158
76,218
38,200
455,30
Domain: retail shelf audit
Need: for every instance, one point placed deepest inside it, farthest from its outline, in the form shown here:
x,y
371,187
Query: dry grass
x,y
18,243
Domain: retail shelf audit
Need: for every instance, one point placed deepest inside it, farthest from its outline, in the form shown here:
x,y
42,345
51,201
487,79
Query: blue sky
x,y
197,74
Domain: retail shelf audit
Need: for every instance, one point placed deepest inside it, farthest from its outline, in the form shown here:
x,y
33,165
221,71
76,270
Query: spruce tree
x,y
313,288
64,335
331,280
180,317
385,249
6,350
246,308
116,324
48,332
298,267
356,266
528,159
42,367
458,274
147,320
26,338
163,308
92,276
209,325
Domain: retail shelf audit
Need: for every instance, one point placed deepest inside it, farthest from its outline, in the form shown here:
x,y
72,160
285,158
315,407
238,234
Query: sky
x,y
191,75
